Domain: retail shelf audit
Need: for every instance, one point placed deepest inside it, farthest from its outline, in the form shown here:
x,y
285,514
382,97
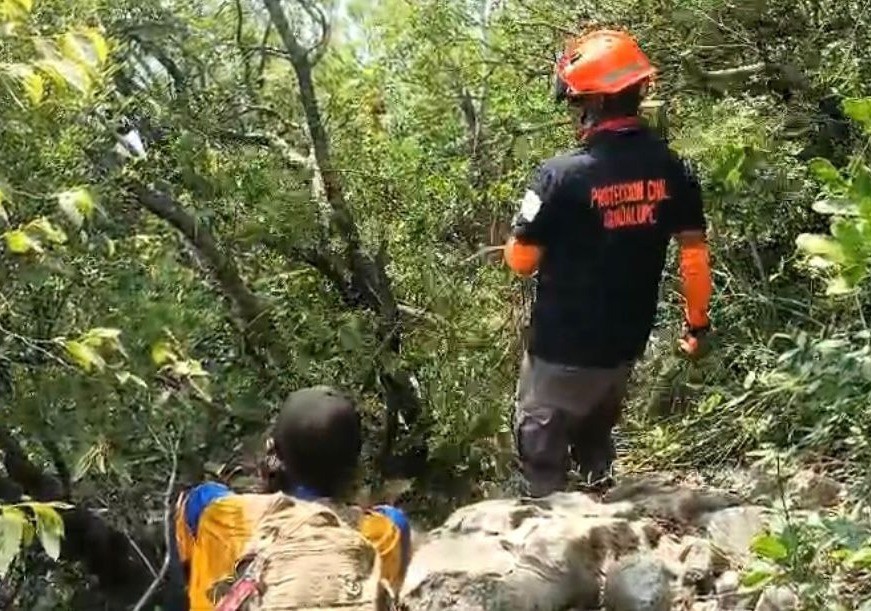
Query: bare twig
x,y
167,534
36,345
141,555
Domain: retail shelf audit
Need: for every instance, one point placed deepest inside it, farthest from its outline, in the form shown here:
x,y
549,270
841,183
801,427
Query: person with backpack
x,y
594,226
296,545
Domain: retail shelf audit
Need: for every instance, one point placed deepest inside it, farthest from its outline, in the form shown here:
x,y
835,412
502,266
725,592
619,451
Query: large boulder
x,y
522,554
651,544
642,548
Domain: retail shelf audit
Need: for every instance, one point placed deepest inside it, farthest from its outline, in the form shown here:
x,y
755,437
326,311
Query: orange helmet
x,y
601,63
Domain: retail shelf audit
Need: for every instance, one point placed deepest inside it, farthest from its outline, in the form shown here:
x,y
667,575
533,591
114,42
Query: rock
x,y
778,599
638,583
522,554
700,562
732,530
810,490
669,549
727,587
567,550
655,496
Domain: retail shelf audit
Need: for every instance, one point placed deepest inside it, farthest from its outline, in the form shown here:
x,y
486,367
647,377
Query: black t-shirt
x,y
604,218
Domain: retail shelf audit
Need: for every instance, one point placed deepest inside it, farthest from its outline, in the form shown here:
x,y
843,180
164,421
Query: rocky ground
x,y
653,543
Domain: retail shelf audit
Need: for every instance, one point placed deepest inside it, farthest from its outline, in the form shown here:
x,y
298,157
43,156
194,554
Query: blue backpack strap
x,y
198,499
400,521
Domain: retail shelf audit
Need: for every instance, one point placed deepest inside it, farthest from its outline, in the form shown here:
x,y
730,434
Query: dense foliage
x,y
204,205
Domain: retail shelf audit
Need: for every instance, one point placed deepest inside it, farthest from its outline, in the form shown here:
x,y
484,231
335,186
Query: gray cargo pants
x,y
566,413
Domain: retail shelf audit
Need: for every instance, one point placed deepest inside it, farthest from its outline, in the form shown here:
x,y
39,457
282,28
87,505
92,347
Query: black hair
x,y
626,103
316,443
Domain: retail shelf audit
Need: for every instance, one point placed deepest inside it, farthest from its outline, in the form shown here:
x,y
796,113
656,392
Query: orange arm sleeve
x,y
522,258
695,271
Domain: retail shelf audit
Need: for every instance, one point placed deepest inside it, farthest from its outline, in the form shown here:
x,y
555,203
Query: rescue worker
x,y
312,454
594,227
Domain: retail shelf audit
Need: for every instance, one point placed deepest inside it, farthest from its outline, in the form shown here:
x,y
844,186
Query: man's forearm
x,y
695,271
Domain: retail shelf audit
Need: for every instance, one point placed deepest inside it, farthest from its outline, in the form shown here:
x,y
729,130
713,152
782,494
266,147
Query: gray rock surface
x,y
638,583
651,544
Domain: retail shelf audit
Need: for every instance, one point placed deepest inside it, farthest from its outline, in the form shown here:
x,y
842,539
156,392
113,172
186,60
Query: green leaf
x,y
12,526
769,547
757,576
67,72
47,230
34,87
125,377
76,204
836,207
822,246
188,369
349,337
859,109
162,353
49,527
84,356
87,47
826,173
861,559
19,243
15,9
31,81
850,238
100,337
28,535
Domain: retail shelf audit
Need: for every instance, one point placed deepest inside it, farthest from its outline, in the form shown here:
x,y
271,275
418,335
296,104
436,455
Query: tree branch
x,y
255,322
367,281
167,535
88,539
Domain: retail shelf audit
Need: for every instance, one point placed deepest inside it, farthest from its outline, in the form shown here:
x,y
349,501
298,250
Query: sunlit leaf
x,y
31,81
88,47
101,335
161,353
859,109
28,535
125,377
84,356
12,526
822,246
47,230
65,71
839,286
826,173
758,575
188,369
49,528
769,547
860,559
15,9
19,243
34,87
76,204
839,207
